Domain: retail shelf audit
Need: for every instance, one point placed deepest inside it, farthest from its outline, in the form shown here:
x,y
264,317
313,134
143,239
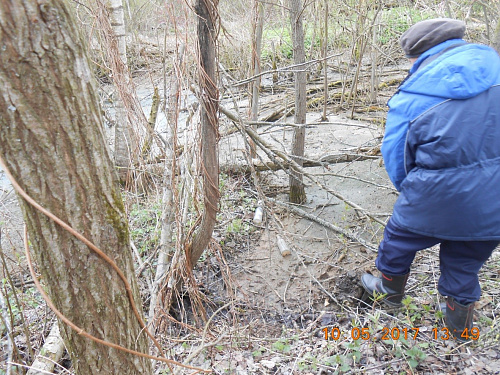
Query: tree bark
x,y
170,206
131,123
124,145
325,63
52,141
257,31
297,191
496,44
207,12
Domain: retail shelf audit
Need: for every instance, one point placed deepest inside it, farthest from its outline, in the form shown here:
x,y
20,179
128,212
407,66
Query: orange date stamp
x,y
395,333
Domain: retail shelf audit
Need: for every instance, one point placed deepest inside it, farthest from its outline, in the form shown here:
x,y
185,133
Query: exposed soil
x,y
280,305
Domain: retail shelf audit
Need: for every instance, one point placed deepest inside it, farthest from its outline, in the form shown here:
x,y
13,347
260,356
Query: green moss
x,y
115,214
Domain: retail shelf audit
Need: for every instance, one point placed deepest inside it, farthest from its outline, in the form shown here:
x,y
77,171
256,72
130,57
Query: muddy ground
x,y
275,308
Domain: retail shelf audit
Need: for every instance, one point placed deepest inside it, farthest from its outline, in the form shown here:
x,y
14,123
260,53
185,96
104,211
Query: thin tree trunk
x,y
496,43
448,8
374,58
258,27
153,115
124,144
297,191
117,19
53,143
127,133
207,12
325,63
169,209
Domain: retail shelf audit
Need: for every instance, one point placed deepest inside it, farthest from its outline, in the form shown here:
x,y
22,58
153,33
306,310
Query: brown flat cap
x,y
429,33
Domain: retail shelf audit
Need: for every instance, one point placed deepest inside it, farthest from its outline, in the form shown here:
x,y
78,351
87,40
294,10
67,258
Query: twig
x,y
29,367
358,179
10,340
334,299
288,161
16,299
202,345
324,223
289,68
142,265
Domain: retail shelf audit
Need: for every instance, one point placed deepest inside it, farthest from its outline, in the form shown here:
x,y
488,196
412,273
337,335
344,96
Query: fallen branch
x,y
50,354
324,223
270,150
288,69
309,124
308,163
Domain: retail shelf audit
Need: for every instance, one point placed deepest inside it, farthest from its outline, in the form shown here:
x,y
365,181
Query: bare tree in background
x,y
324,41
191,245
297,191
496,45
52,141
131,124
257,31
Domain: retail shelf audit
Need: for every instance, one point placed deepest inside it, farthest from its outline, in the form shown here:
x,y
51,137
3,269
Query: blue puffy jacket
x,y
441,146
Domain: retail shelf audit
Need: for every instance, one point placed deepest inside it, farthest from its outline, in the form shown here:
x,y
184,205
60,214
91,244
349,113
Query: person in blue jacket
x,y
441,150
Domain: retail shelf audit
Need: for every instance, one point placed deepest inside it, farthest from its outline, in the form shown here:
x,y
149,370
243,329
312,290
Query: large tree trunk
x,y
297,191
51,138
206,10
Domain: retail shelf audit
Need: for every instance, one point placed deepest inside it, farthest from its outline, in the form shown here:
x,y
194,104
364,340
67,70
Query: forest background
x,y
247,145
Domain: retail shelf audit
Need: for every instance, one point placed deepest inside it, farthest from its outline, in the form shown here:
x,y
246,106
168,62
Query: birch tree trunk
x,y
132,123
52,141
297,191
123,128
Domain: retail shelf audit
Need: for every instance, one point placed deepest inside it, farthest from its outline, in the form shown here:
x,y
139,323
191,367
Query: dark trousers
x,y
459,261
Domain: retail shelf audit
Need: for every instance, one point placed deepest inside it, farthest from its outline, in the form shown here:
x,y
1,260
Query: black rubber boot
x,y
458,319
392,286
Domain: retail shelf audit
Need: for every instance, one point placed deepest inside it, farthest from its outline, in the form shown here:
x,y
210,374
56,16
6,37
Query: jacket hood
x,y
458,73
